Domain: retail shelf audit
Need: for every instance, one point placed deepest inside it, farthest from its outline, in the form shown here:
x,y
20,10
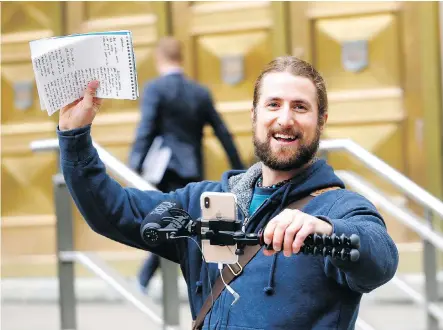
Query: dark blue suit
x,y
177,109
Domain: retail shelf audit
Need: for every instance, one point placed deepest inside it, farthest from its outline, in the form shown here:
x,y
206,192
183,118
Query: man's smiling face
x,y
286,123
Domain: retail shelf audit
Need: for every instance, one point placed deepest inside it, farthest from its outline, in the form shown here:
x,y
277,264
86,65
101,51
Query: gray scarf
x,y
242,185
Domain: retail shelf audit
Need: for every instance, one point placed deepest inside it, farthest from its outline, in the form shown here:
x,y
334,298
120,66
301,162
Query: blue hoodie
x,y
278,292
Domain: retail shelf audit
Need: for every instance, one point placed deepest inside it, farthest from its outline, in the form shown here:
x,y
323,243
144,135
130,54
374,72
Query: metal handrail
x,y
360,324
371,161
407,218
96,265
432,206
118,168
397,179
432,308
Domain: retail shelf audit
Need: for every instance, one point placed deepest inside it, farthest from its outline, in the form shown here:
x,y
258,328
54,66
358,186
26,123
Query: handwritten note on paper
x,y
63,72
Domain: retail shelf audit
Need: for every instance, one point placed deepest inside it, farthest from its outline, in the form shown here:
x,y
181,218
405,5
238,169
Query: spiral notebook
x,y
63,66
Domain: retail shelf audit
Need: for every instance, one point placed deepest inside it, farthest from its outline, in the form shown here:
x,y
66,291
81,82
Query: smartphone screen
x,y
216,206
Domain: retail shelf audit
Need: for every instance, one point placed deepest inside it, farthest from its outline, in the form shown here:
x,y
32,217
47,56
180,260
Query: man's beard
x,y
302,156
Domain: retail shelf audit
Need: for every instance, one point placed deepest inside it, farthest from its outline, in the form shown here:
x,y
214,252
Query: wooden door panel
x,y
225,50
96,10
357,50
141,18
213,53
355,90
146,21
379,33
27,197
355,81
364,52
115,125
22,22
27,193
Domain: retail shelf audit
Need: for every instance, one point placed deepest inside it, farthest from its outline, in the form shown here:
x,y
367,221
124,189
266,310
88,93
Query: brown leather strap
x,y
232,271
228,276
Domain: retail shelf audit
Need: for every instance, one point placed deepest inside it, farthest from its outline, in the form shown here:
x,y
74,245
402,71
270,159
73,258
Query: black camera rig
x,y
225,232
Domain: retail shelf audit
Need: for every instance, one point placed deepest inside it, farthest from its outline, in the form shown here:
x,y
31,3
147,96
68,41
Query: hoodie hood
x,y
317,176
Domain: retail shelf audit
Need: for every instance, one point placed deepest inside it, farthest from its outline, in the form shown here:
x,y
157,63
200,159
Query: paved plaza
x,y
32,304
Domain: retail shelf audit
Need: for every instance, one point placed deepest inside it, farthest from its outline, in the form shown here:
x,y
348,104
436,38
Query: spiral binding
x,y
131,65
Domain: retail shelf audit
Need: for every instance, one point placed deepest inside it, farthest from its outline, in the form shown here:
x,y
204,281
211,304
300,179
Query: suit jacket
x,y
177,108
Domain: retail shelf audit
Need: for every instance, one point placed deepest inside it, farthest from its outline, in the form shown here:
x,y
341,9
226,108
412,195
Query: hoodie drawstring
x,y
286,195
198,287
269,290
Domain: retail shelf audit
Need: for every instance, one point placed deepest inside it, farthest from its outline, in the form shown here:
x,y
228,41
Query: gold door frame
x,y
431,91
423,100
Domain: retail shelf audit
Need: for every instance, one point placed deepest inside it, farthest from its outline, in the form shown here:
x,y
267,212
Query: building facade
x,y
381,62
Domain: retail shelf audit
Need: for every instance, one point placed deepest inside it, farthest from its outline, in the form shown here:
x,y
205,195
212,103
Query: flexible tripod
x,y
226,232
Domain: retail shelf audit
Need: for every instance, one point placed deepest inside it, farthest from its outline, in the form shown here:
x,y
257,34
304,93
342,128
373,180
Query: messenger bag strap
x,y
232,271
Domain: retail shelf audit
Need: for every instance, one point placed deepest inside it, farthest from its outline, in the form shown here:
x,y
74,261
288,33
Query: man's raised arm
x,y
108,208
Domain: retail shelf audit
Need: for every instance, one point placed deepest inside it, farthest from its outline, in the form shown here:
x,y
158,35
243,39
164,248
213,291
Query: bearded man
x,y
279,288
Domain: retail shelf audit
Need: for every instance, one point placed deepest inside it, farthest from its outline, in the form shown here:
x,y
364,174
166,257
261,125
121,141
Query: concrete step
x,y
115,316
90,316
98,304
383,309
382,315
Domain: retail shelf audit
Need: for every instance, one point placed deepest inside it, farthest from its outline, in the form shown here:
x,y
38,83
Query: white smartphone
x,y
216,206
